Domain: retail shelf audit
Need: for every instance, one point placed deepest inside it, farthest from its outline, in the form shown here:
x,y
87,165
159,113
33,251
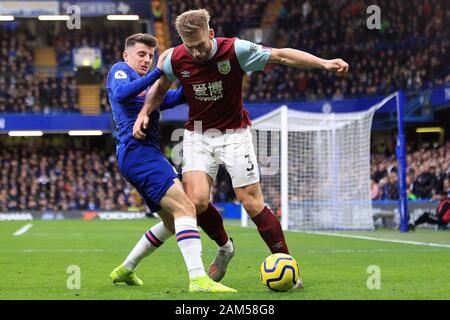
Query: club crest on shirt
x,y
224,66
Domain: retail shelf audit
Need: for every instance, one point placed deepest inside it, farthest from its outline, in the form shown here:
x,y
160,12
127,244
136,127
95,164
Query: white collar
x,y
214,49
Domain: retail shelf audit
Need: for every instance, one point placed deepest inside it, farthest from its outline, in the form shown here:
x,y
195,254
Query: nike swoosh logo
x,y
199,288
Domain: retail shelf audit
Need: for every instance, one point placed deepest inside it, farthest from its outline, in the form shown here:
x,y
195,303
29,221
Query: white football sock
x,y
151,240
188,239
228,246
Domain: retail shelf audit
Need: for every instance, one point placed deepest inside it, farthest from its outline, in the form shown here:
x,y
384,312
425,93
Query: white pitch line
x,y
22,230
417,243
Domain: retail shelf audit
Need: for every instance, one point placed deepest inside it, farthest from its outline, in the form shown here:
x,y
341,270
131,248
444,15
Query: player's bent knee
x,y
200,201
252,206
187,208
253,202
177,204
201,206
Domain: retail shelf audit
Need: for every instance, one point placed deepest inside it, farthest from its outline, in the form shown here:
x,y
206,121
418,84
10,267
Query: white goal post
x,y
315,168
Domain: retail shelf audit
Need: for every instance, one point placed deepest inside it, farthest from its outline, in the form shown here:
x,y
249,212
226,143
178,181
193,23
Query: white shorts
x,y
205,151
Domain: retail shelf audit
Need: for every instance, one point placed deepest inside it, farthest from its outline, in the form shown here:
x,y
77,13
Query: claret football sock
x,y
211,222
188,239
149,242
269,228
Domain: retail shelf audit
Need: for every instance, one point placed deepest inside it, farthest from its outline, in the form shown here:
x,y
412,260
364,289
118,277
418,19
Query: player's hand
x,y
140,125
337,65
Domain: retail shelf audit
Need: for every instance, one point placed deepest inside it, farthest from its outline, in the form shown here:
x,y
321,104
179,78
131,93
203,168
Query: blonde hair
x,y
191,21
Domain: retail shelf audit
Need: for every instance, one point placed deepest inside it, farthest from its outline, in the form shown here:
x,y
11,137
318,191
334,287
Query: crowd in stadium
x,y
417,60
59,179
428,174
88,179
330,28
228,18
110,40
336,24
20,90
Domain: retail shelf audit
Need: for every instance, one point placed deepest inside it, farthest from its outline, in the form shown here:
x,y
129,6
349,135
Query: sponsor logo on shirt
x,y
211,91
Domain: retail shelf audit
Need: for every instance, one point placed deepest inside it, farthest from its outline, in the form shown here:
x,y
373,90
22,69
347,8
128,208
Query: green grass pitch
x,y
34,265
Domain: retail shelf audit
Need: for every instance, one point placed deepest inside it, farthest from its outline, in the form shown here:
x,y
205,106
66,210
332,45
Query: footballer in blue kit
x,y
142,163
126,91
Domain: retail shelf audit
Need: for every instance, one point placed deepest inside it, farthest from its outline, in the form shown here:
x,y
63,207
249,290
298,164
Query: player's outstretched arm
x,y
123,88
173,98
154,98
300,59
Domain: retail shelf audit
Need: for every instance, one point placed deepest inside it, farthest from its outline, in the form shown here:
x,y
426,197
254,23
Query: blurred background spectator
x,y
428,173
409,52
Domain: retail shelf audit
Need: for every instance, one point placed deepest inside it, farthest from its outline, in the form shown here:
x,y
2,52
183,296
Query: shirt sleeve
x,y
118,76
173,98
123,88
251,56
167,68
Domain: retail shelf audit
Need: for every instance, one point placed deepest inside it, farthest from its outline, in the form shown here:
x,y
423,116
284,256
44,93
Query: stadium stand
x,y
227,19
20,89
87,178
410,52
418,61
62,179
428,173
110,40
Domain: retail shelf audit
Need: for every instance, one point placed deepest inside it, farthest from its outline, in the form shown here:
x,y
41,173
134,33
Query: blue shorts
x,y
148,170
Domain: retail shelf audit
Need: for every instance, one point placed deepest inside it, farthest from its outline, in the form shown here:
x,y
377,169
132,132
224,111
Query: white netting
x,y
327,167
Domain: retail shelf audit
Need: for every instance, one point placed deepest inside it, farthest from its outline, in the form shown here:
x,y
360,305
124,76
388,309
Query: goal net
x,y
315,168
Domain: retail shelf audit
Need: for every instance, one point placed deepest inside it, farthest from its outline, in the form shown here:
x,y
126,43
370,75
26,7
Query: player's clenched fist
x,y
337,65
140,125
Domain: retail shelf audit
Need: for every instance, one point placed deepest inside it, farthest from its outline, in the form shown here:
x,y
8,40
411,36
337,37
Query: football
x,y
279,272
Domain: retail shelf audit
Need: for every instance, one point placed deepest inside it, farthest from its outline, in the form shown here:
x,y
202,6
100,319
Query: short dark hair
x,y
144,38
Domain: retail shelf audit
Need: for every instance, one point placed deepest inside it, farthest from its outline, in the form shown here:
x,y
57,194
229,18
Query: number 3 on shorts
x,y
250,163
